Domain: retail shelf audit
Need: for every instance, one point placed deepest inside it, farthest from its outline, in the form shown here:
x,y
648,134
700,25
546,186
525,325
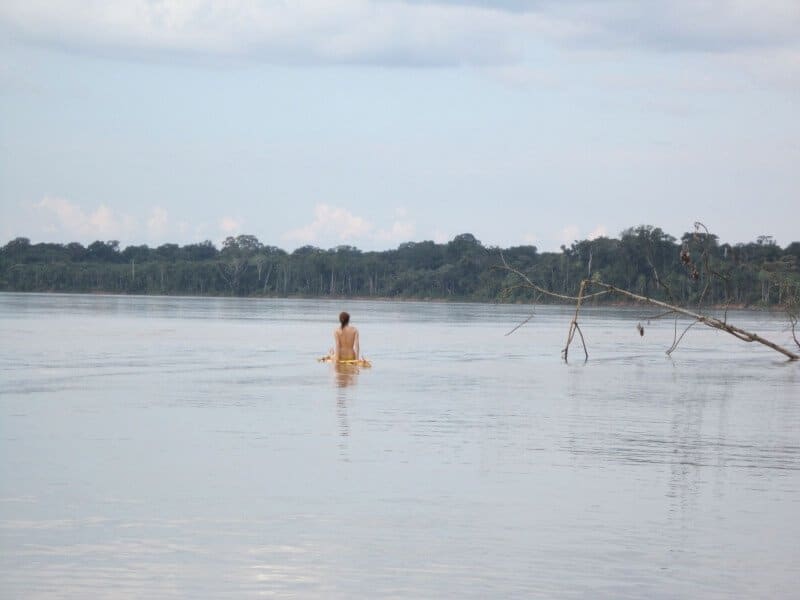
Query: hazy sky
x,y
374,122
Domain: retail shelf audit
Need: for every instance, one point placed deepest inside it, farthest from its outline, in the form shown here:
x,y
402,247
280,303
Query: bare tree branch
x,y
669,307
706,320
677,340
656,317
573,326
712,322
521,324
583,341
541,290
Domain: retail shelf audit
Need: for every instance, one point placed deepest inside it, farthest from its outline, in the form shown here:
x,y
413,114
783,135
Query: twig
x,y
573,326
583,341
521,324
677,341
658,316
655,272
705,256
541,290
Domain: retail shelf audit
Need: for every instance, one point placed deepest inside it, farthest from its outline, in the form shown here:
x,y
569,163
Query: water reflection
x,y
346,375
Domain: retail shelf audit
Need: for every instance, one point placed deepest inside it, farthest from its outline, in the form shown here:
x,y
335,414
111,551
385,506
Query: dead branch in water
x,y
605,289
793,322
521,324
713,322
573,326
676,339
529,284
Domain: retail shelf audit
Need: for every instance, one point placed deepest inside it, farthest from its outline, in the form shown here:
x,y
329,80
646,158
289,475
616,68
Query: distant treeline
x,y
644,260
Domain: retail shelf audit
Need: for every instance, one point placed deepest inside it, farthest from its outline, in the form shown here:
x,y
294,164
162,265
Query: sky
x,y
371,123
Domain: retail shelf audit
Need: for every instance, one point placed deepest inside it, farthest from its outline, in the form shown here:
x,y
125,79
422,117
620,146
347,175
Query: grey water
x,y
155,447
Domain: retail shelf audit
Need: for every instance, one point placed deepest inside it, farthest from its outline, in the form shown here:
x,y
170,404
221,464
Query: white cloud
x,y
297,32
529,239
400,231
337,225
398,32
69,215
61,215
230,225
599,231
719,26
510,41
330,223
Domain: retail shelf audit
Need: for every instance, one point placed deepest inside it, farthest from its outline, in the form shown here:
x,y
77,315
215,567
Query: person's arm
x,y
337,345
356,346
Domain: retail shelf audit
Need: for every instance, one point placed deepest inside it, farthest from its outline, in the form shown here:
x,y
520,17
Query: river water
x,y
184,447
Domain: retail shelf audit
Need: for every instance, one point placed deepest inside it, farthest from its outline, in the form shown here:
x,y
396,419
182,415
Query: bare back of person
x,y
346,343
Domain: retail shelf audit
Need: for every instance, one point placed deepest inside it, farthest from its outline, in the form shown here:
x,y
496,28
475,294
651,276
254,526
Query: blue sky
x,y
372,123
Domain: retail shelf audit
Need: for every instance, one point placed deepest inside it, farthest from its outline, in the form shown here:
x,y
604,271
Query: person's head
x,y
344,319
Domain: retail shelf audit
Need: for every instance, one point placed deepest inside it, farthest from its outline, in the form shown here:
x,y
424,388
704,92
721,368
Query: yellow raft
x,y
357,362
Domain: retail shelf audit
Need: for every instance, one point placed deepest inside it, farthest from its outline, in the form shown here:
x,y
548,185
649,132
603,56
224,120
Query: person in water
x,y
345,340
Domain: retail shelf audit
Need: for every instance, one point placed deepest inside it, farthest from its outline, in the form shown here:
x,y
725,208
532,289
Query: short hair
x,y
344,319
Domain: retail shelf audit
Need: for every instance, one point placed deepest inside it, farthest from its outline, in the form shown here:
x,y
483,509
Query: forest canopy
x,y
643,259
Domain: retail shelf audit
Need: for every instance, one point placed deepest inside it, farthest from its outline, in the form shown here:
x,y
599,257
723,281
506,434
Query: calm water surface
x,y
181,447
